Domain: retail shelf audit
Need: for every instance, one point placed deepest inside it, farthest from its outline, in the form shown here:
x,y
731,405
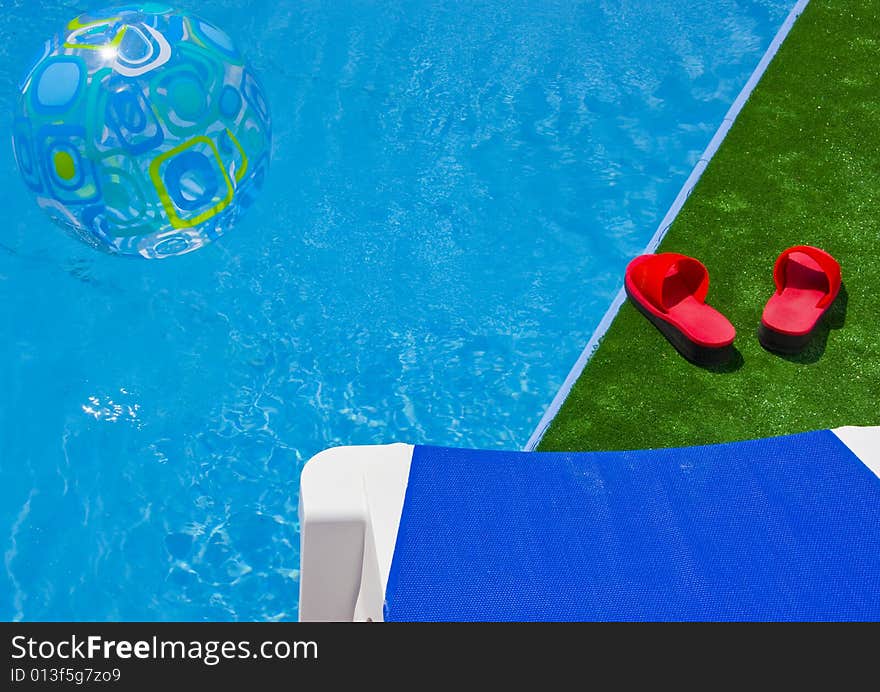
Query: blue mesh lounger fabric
x,y
784,528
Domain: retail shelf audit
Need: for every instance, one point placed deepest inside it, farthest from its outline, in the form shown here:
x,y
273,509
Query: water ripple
x,y
455,190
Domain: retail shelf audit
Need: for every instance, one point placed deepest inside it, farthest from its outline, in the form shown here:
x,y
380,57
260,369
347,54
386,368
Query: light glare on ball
x,y
141,130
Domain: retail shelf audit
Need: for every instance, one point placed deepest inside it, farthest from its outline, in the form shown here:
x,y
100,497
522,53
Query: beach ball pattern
x,y
141,130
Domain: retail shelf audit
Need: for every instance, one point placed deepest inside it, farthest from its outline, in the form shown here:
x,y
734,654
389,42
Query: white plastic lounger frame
x,y
351,500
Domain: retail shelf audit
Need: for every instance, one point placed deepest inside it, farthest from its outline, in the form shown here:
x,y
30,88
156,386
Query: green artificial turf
x,y
801,165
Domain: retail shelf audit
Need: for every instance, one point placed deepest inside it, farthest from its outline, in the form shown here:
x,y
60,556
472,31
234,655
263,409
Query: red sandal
x,y
670,290
807,282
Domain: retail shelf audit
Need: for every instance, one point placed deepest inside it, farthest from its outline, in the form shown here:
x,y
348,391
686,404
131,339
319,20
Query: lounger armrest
x,y
351,499
864,442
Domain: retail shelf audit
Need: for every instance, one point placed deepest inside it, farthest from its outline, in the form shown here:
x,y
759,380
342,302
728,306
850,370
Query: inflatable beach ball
x,y
141,130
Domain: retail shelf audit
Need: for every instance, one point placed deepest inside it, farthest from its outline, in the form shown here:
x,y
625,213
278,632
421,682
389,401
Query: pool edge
x,y
665,223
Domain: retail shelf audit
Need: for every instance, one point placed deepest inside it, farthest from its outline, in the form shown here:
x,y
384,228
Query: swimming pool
x,y
455,189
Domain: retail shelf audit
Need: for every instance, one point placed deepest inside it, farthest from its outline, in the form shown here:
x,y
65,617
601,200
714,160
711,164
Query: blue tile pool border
x,y
686,189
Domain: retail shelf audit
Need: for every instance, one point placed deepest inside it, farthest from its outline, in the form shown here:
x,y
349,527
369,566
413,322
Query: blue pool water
x,y
455,189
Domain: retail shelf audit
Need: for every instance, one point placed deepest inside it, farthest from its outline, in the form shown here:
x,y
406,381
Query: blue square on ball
x,y
69,174
131,118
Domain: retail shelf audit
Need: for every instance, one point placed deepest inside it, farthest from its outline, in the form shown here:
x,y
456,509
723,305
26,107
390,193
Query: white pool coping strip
x,y
686,189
